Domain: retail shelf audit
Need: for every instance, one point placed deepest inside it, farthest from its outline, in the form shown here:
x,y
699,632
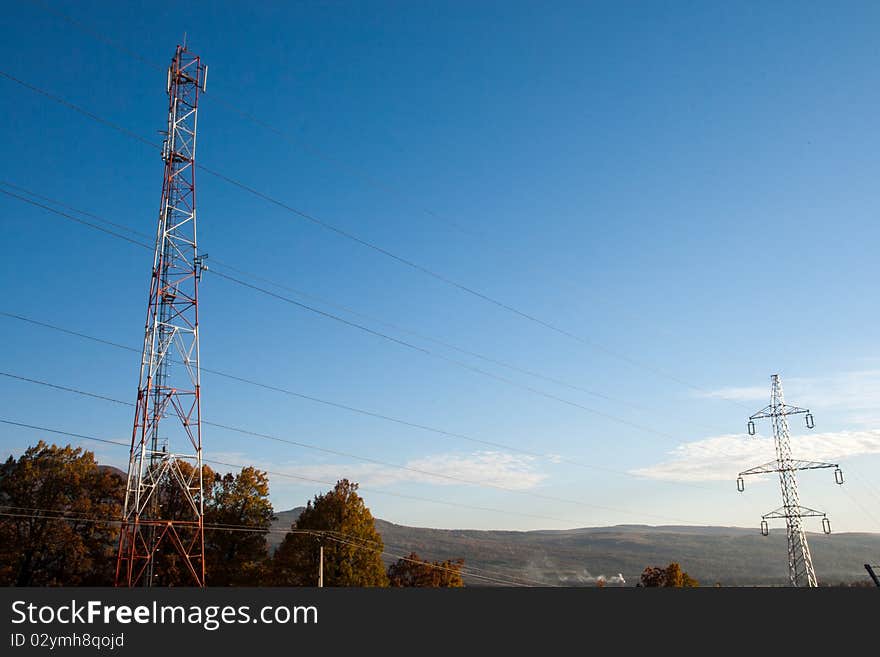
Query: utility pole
x,y
321,567
800,562
169,389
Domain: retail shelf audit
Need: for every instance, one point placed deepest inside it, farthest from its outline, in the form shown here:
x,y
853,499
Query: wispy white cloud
x,y
752,393
855,389
866,419
496,468
493,468
723,457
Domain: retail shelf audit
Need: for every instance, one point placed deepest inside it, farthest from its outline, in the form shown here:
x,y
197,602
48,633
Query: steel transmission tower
x,y
164,497
800,563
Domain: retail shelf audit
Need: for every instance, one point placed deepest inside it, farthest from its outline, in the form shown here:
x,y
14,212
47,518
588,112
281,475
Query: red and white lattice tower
x,y
165,463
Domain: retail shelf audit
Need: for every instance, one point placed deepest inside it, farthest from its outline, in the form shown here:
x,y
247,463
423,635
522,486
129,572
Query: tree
x,y
653,577
233,557
37,547
413,571
671,576
62,511
340,521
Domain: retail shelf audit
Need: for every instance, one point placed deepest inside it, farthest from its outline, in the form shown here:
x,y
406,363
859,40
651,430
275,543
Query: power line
x,y
56,386
375,545
271,437
322,313
531,494
407,558
868,486
299,143
236,465
295,443
354,409
428,338
447,359
311,480
76,108
67,514
98,35
378,334
44,514
58,514
76,219
536,495
868,489
85,213
448,281
372,246
266,386
862,507
361,327
335,317
60,329
376,182
404,496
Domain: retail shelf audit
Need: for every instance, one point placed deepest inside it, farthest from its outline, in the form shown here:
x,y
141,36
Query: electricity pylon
x,y
164,496
800,563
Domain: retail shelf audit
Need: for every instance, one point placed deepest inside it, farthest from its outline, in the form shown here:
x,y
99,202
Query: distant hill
x,y
283,520
112,469
732,556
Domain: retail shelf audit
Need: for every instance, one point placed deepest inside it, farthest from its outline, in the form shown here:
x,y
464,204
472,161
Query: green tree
x,y
414,571
352,546
37,548
670,576
237,558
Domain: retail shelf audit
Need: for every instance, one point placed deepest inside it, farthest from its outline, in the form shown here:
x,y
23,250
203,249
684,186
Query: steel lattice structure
x,y
800,562
163,511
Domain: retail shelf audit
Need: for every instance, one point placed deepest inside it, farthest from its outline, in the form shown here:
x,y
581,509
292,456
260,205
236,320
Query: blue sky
x,y
690,188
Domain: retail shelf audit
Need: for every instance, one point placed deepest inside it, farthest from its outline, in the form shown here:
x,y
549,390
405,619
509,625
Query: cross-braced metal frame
x,y
800,562
166,443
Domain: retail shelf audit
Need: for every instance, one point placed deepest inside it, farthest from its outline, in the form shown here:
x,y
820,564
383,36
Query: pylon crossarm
x,y
778,513
794,464
772,466
796,512
764,412
775,411
797,464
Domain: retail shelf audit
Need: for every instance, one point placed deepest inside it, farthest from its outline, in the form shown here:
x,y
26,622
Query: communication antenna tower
x,y
162,522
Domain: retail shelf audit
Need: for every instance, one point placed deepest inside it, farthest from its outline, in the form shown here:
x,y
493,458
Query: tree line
x,y
59,526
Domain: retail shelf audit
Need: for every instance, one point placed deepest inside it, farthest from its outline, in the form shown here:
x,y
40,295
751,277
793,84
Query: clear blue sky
x,y
691,185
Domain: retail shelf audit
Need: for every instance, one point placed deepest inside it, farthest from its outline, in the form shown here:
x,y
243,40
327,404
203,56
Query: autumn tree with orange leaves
x,y
57,525
670,576
414,571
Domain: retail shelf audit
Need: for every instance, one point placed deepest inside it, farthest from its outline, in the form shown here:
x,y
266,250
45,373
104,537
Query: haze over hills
x,y
732,556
